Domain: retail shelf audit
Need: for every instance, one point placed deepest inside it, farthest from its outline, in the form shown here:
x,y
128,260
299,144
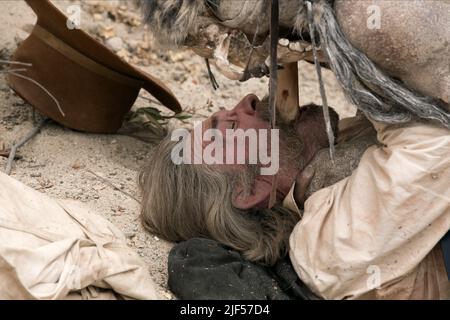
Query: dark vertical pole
x,y
326,113
274,16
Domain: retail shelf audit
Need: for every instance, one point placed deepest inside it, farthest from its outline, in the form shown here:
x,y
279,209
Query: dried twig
x,y
4,153
246,74
212,78
16,63
151,100
43,88
24,140
106,181
12,70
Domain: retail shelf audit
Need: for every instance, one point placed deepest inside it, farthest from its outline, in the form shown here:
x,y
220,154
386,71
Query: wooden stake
x,y
287,92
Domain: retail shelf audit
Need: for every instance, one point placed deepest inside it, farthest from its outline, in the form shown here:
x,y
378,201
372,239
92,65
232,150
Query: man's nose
x,y
247,105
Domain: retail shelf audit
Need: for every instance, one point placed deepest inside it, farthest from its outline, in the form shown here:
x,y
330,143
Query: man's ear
x,y
257,198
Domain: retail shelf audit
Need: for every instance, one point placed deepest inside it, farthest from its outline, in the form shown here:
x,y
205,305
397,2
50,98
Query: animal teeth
x,y
283,42
308,48
296,46
267,62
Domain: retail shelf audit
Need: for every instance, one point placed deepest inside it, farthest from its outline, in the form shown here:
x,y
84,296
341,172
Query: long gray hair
x,y
370,89
181,202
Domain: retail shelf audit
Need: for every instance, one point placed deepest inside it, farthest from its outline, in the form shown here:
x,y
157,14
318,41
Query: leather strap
x,y
273,82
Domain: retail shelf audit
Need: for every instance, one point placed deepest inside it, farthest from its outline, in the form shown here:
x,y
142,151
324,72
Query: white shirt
x,y
375,234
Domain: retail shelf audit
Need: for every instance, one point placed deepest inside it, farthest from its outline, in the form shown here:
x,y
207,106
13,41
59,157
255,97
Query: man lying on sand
x,y
367,226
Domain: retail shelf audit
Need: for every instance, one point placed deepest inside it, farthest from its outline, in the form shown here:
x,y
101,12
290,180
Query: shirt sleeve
x,y
376,226
289,202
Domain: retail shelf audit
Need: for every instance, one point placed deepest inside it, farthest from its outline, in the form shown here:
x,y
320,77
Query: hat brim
x,y
54,21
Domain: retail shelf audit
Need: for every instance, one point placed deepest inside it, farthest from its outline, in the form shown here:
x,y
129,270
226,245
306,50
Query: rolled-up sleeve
x,y
376,226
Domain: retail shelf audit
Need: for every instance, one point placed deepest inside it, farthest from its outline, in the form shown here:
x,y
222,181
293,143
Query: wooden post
x,y
287,92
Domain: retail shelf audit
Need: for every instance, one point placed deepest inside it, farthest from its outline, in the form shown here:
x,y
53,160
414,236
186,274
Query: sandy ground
x,y
57,162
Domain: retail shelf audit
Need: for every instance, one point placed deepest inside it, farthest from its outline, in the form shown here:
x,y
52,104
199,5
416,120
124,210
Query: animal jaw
x,y
220,30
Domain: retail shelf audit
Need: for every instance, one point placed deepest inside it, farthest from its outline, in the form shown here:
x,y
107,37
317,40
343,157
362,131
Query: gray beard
x,y
291,151
347,157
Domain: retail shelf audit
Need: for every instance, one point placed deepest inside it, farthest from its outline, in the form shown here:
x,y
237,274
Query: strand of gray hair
x,y
370,89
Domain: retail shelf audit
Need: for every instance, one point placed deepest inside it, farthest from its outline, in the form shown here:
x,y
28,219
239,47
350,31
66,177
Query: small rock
x,y
98,187
133,44
35,175
98,17
45,184
4,87
139,244
167,295
115,44
130,235
77,166
179,77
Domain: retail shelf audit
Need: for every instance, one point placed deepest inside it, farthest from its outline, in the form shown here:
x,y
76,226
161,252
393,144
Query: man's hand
x,y
302,182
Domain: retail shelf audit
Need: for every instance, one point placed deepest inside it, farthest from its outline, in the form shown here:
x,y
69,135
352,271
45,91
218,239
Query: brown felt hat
x,y
94,87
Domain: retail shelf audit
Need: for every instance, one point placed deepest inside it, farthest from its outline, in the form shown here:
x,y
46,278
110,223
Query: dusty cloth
x,y
52,249
205,269
375,234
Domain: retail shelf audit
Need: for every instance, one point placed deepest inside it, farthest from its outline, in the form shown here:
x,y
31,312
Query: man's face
x,y
246,116
249,122
295,146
